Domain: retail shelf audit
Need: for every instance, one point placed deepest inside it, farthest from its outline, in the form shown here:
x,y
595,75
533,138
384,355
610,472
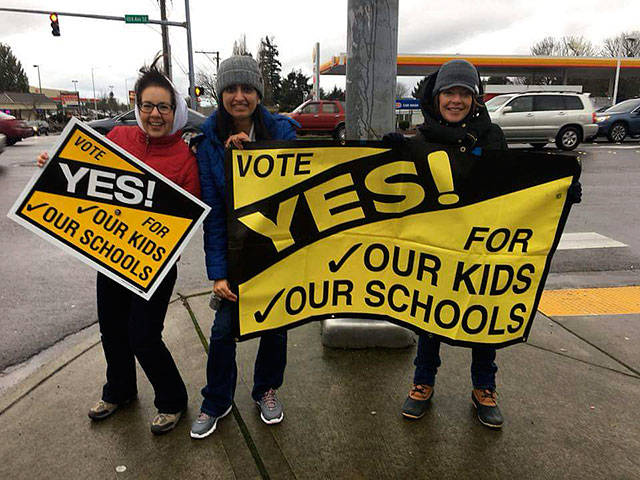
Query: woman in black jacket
x,y
455,115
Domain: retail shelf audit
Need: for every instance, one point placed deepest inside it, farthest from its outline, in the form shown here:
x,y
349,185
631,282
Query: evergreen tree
x,y
12,76
294,90
270,67
416,92
335,94
240,46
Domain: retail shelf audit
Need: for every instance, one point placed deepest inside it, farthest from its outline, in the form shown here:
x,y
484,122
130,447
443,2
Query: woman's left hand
x,y
237,140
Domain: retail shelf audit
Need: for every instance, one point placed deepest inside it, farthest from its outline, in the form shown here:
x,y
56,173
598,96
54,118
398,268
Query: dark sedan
x,y
104,126
620,120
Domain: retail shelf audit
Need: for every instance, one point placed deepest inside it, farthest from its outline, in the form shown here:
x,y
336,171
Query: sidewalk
x,y
571,409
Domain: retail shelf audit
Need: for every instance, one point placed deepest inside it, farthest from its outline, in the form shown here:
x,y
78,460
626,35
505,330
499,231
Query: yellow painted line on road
x,y
591,301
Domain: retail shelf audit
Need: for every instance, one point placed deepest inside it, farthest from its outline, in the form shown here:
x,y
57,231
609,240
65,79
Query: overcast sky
x,y
116,50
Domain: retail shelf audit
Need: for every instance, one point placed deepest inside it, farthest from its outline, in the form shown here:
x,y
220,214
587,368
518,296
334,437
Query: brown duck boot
x,y
485,401
417,401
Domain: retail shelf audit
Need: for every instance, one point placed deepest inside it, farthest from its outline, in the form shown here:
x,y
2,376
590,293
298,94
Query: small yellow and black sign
x,y
454,244
109,209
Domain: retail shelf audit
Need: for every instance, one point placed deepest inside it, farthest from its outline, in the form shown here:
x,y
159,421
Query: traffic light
x,y
199,91
55,26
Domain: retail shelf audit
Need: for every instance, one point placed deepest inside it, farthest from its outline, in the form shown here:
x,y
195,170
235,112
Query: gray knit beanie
x,y
457,73
239,70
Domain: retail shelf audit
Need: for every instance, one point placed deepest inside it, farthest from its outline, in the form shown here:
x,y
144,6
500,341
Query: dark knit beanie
x,y
457,73
239,70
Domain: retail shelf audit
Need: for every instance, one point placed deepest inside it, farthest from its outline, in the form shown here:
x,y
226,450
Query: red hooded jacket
x,y
169,155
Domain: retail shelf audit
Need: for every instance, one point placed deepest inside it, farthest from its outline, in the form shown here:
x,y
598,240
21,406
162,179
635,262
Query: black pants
x,y
131,328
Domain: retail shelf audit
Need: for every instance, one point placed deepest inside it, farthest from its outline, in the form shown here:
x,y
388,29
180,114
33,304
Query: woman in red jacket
x,y
130,326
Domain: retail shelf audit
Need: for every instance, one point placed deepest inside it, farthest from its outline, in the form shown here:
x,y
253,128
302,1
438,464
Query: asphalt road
x,y
46,295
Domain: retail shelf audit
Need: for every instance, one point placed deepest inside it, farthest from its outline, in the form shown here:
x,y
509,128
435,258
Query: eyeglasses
x,y
163,108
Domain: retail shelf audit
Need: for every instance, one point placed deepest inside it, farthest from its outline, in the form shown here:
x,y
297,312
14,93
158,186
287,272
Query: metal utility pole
x,y
166,47
95,103
615,84
75,89
372,50
39,82
192,80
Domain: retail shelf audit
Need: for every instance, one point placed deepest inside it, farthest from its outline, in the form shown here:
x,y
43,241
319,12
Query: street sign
x,y
136,18
407,104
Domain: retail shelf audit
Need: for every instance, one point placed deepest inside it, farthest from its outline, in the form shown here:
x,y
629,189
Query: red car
x,y
321,117
14,129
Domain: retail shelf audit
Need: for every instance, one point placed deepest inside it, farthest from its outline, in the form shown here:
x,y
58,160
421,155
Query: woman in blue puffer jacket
x,y
239,118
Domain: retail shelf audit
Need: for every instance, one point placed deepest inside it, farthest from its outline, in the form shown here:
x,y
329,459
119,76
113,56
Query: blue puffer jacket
x,y
212,182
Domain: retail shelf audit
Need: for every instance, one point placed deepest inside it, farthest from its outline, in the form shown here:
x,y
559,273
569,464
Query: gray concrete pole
x,y
316,71
372,52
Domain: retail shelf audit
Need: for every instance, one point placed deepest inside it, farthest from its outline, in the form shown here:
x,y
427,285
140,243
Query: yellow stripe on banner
x,y
591,301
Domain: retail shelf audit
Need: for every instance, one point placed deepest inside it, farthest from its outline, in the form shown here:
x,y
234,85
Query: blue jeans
x,y
222,371
483,367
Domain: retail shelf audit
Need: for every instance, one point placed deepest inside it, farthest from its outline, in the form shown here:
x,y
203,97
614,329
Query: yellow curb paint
x,y
591,301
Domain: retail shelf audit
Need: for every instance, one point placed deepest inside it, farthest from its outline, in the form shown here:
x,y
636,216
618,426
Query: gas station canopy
x,y
504,65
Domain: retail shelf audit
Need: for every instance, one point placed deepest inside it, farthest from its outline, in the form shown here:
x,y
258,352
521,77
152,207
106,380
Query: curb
x,y
23,378
19,380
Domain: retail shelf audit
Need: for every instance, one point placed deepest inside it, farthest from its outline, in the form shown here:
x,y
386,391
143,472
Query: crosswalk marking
x,y
610,147
581,240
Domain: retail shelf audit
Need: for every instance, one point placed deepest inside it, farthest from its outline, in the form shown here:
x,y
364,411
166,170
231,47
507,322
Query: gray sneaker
x,y
271,410
205,424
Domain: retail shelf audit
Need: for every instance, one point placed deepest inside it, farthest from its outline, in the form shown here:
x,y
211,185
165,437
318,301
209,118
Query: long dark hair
x,y
225,123
152,76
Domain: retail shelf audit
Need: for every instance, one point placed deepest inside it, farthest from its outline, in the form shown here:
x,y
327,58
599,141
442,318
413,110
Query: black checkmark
x,y
261,317
34,207
82,210
335,266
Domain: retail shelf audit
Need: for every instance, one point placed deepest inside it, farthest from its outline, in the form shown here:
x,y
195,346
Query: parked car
x,y
321,117
14,129
620,120
40,127
539,118
104,126
3,142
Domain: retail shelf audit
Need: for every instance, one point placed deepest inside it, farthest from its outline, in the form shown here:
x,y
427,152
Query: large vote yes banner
x,y
109,209
424,236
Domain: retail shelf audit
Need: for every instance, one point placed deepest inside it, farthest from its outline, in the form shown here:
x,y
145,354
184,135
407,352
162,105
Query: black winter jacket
x,y
476,130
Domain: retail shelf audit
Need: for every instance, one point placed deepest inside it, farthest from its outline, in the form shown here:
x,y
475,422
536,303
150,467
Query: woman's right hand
x,y
42,159
237,140
222,289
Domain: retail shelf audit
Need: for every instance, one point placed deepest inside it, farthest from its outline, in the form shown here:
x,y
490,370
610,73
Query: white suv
x,y
539,118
